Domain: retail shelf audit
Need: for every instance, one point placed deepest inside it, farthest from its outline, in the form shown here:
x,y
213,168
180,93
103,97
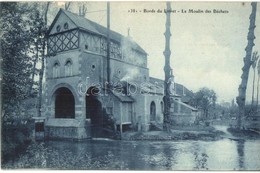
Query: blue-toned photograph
x,y
153,86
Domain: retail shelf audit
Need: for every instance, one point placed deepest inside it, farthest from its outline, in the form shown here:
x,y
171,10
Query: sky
x,y
207,49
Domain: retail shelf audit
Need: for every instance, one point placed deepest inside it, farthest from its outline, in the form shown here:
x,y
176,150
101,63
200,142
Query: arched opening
x,y
102,123
152,111
64,103
162,107
94,109
56,70
68,68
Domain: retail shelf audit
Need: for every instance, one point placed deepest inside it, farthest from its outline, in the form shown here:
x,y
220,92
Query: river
x,y
224,154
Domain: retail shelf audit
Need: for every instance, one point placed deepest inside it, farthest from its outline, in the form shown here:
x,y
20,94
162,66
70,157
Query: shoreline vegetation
x,y
204,133
178,133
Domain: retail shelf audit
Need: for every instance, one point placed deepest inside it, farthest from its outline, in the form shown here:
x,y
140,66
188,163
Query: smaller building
x,y
182,113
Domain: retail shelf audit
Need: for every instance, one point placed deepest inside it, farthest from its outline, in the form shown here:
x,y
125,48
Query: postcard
x,y
130,85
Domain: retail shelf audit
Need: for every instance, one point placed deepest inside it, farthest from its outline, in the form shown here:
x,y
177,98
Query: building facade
x,y
79,100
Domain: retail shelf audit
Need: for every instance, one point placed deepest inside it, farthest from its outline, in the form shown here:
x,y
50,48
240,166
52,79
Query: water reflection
x,y
240,150
168,157
201,161
151,155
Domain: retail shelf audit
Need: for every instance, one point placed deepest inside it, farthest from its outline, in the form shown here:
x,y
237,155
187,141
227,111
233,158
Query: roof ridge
x,y
92,26
93,22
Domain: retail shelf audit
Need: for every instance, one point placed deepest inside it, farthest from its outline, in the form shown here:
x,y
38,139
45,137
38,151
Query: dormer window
x,y
68,68
56,70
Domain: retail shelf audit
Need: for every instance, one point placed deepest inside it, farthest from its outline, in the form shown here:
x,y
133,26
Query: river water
x,y
223,154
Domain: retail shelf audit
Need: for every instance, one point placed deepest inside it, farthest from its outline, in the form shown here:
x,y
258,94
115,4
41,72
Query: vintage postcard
x,y
130,85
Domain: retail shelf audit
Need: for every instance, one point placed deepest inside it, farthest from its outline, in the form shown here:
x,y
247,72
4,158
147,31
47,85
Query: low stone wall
x,y
67,129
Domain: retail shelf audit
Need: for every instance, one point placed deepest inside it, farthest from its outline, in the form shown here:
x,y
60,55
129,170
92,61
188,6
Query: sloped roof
x,y
186,105
179,89
88,25
153,89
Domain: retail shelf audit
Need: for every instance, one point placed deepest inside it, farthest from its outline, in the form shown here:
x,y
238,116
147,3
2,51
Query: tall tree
x,y
16,62
43,54
254,61
37,38
247,63
167,71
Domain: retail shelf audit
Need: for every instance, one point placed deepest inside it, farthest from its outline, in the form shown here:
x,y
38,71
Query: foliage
x,y
250,110
204,99
247,64
22,37
15,43
16,134
38,155
37,31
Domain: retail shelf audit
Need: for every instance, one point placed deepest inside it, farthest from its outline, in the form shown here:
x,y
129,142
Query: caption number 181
x,y
132,10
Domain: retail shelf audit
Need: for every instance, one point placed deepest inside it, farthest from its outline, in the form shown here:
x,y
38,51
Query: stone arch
x,y
95,112
64,104
68,60
93,105
56,62
52,96
152,111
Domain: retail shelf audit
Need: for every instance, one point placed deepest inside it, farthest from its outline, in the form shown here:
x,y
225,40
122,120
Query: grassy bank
x,y
244,134
177,133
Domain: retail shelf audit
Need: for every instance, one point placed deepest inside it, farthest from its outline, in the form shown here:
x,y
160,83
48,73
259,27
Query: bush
x,y
16,135
38,155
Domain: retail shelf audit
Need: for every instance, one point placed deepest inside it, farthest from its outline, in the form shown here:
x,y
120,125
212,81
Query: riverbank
x,y
244,134
206,135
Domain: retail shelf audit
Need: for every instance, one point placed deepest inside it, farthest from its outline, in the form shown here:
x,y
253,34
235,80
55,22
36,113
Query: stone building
x,y
78,99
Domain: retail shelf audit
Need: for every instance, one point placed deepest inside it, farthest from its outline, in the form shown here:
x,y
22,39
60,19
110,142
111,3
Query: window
x,y
56,70
68,68
93,67
152,111
58,28
66,25
162,107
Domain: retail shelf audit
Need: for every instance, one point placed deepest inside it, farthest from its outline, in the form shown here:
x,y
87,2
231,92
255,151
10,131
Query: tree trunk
x,y
257,91
42,63
247,63
253,91
34,68
167,71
